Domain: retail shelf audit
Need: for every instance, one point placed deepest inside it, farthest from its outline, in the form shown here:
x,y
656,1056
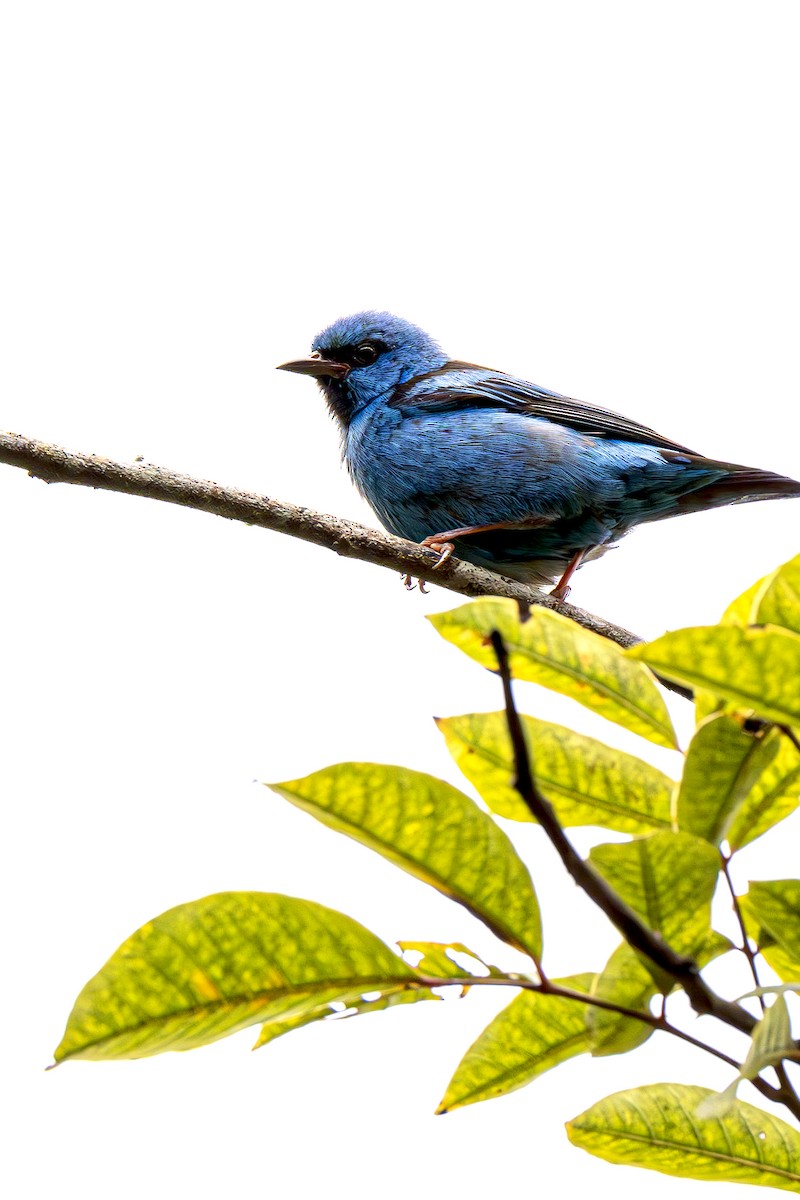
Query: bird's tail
x,y
738,485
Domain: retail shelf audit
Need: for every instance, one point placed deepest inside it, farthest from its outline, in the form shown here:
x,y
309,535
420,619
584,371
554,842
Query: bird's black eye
x,y
366,353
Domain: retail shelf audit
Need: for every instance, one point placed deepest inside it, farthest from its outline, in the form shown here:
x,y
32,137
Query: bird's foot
x,y
561,591
442,543
410,583
439,546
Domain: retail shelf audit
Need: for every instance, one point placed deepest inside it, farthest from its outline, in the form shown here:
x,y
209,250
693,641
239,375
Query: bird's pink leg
x,y
562,588
442,543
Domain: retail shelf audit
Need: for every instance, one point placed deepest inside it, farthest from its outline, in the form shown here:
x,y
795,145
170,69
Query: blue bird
x,y
510,476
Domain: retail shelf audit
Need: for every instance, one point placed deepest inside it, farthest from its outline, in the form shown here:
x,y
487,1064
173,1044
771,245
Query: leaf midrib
x,y
343,986
700,1151
414,867
603,689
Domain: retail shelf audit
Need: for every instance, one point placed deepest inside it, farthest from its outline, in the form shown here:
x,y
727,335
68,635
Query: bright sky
x,y
602,198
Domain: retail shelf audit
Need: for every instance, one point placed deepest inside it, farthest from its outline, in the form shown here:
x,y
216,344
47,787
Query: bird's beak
x,y
318,367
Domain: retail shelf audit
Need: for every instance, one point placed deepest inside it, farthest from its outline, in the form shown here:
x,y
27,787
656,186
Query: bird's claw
x,y
443,549
409,584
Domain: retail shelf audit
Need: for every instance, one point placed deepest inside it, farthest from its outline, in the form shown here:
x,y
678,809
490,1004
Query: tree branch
x,y
683,970
658,1024
53,464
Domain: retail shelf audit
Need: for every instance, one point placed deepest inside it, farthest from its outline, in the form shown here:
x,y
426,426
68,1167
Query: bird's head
x,y
361,358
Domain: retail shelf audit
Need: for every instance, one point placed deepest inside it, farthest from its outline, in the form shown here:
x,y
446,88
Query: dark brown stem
x,y
788,732
658,1023
56,465
680,968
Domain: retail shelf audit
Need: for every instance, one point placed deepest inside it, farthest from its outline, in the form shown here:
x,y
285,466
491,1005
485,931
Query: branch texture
x,y
53,464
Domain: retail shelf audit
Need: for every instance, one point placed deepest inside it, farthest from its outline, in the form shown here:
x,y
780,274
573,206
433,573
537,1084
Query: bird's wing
x,y
459,385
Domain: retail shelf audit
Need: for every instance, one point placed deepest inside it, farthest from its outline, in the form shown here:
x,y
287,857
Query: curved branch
x,y
683,970
658,1024
54,464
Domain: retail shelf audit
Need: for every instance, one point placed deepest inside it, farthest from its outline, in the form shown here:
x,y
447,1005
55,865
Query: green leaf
x,y
668,879
625,981
771,1040
741,611
774,796
785,964
723,763
434,832
657,1127
779,602
437,961
706,704
341,1010
775,904
773,989
770,1044
715,945
551,650
587,782
757,669
203,970
532,1034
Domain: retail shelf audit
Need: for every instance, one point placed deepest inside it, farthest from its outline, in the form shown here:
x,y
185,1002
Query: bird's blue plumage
x,y
438,446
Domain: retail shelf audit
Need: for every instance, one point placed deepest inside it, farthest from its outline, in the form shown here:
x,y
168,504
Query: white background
x,y
602,198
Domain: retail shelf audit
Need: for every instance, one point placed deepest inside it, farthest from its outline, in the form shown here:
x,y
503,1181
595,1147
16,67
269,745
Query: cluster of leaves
x,y
211,967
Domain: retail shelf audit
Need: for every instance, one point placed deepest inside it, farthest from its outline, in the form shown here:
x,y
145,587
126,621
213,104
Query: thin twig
x,y
788,732
548,988
57,465
680,968
747,949
787,1093
656,1023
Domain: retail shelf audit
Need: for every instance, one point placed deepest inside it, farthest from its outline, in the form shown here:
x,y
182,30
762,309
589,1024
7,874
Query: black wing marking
x,y
493,389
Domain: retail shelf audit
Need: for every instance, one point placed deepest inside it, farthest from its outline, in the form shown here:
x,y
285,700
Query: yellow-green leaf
x,y
723,763
785,964
657,1127
755,668
433,831
775,794
532,1034
587,782
706,704
771,1040
770,1044
438,959
555,652
741,610
625,981
340,1010
775,904
668,879
203,970
779,602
